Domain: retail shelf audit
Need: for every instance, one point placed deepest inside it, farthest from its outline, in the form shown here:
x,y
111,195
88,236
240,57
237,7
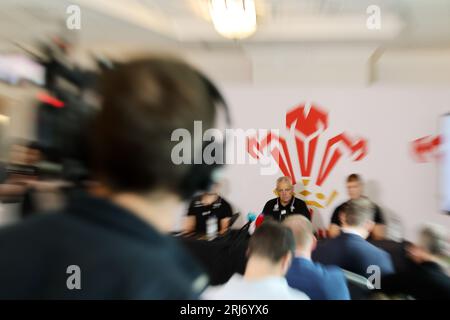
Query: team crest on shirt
x,y
309,154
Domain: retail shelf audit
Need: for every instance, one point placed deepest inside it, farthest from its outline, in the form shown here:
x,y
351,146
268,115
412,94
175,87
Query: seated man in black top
x,y
208,205
286,203
110,242
355,191
426,278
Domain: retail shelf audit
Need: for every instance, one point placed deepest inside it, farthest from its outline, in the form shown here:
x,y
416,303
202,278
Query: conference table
x,y
221,257
225,255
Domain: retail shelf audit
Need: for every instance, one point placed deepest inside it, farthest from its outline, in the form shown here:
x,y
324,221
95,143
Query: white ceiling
x,y
404,22
326,39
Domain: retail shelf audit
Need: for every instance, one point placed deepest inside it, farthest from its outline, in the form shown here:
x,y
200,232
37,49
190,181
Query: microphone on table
x,y
243,233
255,220
250,218
259,220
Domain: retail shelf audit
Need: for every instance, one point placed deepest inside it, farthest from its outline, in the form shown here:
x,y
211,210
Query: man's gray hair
x,y
284,179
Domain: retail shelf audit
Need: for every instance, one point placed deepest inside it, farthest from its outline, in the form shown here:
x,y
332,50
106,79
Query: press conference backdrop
x,y
375,131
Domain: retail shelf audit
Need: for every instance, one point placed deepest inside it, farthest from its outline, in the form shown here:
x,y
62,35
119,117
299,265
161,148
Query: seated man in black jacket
x,y
426,278
286,203
109,242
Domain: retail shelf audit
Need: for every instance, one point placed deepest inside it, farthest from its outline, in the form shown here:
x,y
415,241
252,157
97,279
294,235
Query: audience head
x,y
303,232
431,244
273,245
358,214
354,186
285,189
143,102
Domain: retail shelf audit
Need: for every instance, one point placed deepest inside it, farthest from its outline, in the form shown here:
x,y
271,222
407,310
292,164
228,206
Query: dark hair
x,y
272,240
358,211
354,178
144,101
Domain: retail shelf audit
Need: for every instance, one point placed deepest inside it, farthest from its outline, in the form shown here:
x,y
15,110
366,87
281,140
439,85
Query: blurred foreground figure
x,y
319,282
426,278
350,250
271,250
25,184
19,171
109,243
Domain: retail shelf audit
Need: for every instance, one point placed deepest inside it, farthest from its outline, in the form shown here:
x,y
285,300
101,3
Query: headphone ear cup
x,y
201,176
198,178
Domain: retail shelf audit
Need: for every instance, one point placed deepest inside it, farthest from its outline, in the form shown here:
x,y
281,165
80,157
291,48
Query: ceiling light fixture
x,y
233,19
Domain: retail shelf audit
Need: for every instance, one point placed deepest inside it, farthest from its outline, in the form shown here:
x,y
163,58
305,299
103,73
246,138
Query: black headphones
x,y
200,177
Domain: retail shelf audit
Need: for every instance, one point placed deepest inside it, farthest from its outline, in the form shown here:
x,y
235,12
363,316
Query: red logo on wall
x,y
426,149
308,125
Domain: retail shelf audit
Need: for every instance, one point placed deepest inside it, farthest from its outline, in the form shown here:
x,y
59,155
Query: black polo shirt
x,y
277,211
378,215
220,208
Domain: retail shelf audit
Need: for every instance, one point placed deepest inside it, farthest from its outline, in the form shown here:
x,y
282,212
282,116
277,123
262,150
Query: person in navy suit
x,y
350,250
319,282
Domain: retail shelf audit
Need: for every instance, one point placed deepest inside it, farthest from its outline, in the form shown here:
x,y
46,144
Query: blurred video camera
x,y
64,110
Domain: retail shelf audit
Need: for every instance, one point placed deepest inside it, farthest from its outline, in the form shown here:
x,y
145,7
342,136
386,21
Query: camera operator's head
x,y
143,102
